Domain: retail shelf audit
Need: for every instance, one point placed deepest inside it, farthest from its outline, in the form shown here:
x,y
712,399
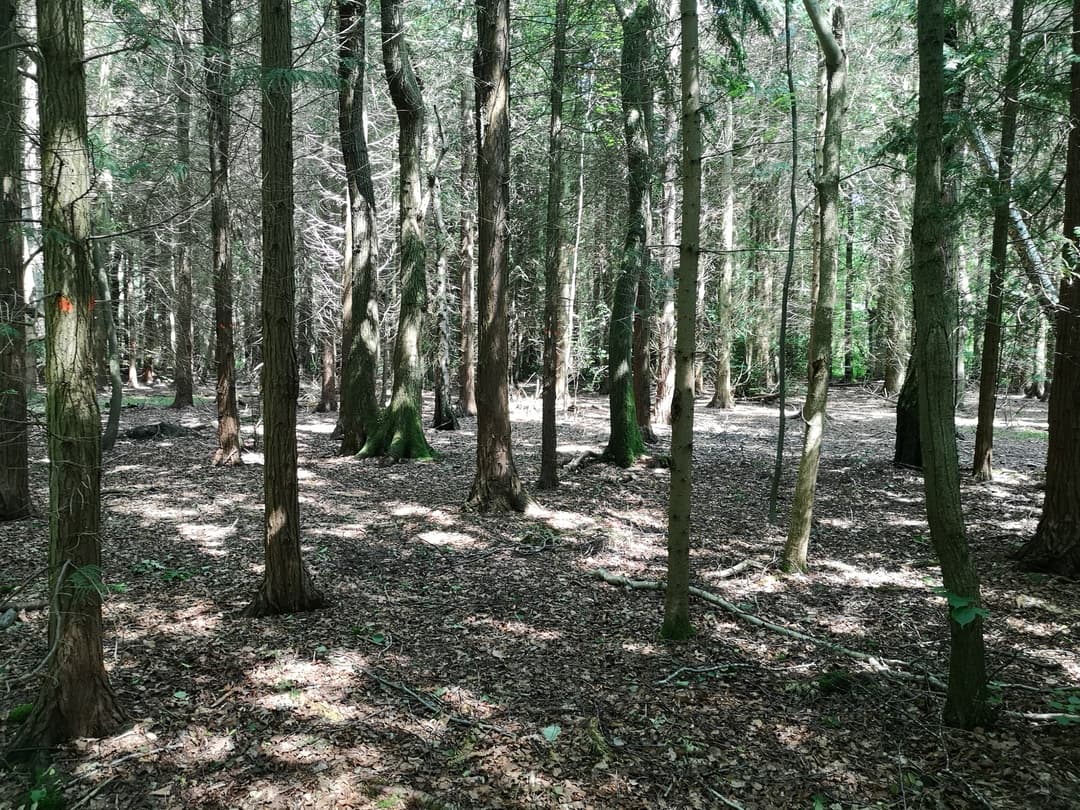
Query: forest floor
x,y
473,661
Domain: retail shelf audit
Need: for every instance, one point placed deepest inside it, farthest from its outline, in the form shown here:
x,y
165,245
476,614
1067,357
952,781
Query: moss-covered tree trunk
x,y
677,592
935,317
14,468
496,485
360,306
183,377
554,267
830,39
982,464
400,431
75,698
217,42
625,442
286,586
1056,545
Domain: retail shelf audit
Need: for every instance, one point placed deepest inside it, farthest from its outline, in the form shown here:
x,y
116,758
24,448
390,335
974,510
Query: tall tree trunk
x,y
328,390
723,396
360,305
75,698
185,351
496,486
151,329
467,236
849,291
935,318
444,417
831,42
1056,545
625,441
1037,388
642,340
677,593
554,267
893,317
665,366
107,323
217,41
982,466
14,465
400,431
131,324
286,585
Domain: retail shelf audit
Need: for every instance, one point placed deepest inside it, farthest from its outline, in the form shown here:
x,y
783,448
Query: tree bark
x,y
935,318
849,292
75,698
496,486
677,593
830,39
467,237
360,306
400,431
554,267
217,41
1055,548
14,465
286,586
723,396
444,417
665,366
982,465
625,442
183,360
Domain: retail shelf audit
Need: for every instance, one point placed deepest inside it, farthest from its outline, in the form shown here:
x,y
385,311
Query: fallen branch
x,y
433,705
693,670
884,666
733,570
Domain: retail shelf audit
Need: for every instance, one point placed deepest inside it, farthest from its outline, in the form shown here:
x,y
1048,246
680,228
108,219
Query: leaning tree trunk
x,y
982,467
625,443
286,585
360,306
400,431
1056,545
14,466
935,317
828,185
554,267
496,486
183,376
677,592
217,20
75,698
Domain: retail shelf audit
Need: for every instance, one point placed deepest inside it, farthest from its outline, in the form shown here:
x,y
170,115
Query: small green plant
x,y
175,575
16,714
963,609
1069,706
551,733
46,791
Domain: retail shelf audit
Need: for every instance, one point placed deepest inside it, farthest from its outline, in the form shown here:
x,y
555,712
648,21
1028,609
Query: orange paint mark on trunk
x,y
64,303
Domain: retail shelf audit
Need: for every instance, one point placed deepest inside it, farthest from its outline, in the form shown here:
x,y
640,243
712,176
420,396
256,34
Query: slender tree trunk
x,y
642,340
496,486
328,391
444,417
982,467
935,317
400,431
75,698
107,323
130,325
217,41
665,367
849,291
14,465
360,305
625,442
723,396
183,377
467,236
1037,388
831,42
151,330
286,586
1056,545
893,310
677,593
554,267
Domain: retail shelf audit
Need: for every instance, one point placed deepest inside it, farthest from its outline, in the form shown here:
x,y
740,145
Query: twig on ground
x,y
724,573
97,789
692,670
724,799
433,705
97,766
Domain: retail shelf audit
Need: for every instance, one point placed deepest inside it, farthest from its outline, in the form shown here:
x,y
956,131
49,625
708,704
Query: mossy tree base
x,y
399,434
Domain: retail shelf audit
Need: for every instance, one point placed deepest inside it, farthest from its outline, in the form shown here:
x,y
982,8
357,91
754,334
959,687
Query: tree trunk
x,y
286,586
831,43
75,699
217,41
665,366
642,339
625,442
849,292
130,325
107,323
328,392
935,318
183,377
444,417
14,465
360,305
1055,548
723,397
496,486
400,431
467,236
893,320
982,466
1037,388
677,592
151,330
554,267
907,449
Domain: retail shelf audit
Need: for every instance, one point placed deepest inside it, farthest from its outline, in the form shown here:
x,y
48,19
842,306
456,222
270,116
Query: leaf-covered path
x,y
471,661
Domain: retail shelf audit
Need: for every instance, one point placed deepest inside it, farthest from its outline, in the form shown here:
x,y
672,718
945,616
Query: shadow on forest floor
x,y
472,661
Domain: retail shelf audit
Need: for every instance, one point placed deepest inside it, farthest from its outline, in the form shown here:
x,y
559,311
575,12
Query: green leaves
x,y
962,609
551,733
